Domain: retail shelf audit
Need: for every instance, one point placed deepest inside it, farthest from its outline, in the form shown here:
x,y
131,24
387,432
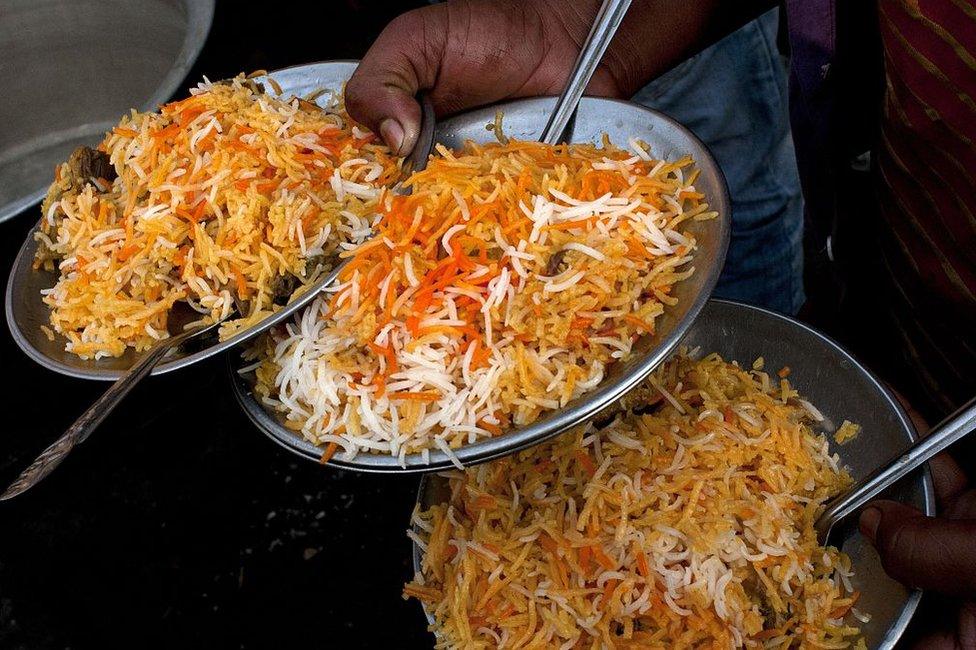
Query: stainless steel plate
x,y
524,119
71,67
841,388
26,312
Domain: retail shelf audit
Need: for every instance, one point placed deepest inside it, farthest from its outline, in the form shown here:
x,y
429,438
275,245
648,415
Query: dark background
x,y
178,525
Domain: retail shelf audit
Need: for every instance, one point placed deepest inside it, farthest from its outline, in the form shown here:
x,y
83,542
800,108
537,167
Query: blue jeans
x,y
733,96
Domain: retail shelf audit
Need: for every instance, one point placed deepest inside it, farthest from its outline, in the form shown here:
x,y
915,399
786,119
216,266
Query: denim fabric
x,y
733,96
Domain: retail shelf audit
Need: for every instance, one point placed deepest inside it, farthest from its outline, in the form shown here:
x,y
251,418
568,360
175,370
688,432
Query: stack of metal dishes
x,y
829,376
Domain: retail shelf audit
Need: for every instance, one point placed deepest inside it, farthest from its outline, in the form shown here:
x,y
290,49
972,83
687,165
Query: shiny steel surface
x,y
605,25
841,388
26,312
524,119
954,428
70,68
83,427
417,158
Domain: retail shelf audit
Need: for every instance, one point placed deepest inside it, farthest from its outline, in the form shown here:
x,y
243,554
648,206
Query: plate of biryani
x,y
683,517
515,292
222,205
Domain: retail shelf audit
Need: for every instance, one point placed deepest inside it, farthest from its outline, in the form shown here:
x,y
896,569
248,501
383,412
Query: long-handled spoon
x,y
90,419
954,428
605,25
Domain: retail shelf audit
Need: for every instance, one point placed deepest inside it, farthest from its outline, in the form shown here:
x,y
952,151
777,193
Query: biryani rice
x,y
216,198
501,288
690,525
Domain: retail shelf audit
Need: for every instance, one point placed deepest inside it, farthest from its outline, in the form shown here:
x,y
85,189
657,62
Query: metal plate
x,y
26,312
524,119
841,388
71,67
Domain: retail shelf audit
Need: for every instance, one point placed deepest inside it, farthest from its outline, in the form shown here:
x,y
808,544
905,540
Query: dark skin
x,y
474,52
934,554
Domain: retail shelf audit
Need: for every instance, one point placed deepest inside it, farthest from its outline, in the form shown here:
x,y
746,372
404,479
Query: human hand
x,y
474,52
933,553
469,53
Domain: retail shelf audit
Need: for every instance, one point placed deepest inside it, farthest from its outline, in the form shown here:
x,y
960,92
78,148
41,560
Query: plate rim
x,y
900,624
561,420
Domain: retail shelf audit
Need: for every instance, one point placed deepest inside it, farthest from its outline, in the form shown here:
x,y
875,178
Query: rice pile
x,y
687,526
213,200
502,288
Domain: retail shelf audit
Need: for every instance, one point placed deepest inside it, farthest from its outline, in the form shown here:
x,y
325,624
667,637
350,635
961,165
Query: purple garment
x,y
813,43
836,86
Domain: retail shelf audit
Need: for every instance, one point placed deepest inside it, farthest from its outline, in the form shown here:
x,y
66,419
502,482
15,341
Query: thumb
x,y
380,94
923,552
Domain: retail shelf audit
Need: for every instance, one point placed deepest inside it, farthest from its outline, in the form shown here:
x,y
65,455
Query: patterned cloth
x,y
917,231
926,170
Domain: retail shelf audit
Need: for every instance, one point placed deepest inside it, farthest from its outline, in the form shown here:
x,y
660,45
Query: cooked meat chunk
x,y
82,168
283,287
645,398
555,261
304,104
87,164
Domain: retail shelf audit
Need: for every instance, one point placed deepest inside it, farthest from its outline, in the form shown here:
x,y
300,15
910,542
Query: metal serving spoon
x,y
605,25
97,412
83,427
954,428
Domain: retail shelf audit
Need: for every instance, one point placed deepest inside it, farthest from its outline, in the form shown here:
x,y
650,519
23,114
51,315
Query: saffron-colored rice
x,y
217,197
502,288
685,523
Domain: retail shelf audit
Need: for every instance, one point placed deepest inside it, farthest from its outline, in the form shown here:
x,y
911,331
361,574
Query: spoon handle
x,y
952,429
608,19
417,159
96,413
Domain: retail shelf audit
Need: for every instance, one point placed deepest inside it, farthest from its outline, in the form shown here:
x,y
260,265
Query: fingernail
x,y
392,134
869,522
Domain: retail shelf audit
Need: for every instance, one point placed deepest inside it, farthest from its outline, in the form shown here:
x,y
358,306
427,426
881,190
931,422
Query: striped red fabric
x,y
927,187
